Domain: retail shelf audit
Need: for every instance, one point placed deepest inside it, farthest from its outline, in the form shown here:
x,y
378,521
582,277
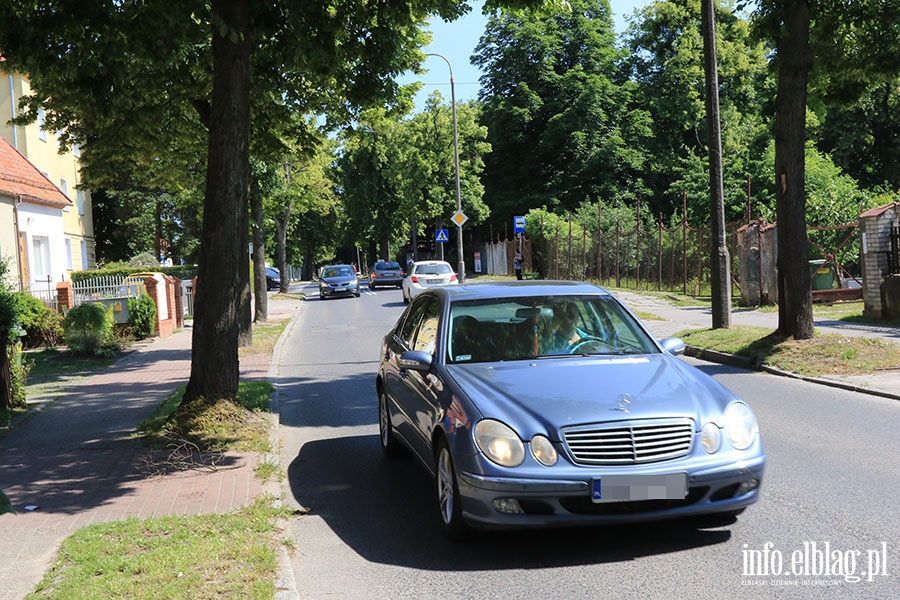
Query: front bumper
x,y
560,502
342,290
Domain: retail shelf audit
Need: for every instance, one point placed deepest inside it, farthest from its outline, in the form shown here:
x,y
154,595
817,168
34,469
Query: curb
x,y
734,360
285,581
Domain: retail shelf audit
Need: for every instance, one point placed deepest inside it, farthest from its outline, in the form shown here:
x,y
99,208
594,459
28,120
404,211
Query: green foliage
x,y
142,315
5,504
561,128
42,325
89,330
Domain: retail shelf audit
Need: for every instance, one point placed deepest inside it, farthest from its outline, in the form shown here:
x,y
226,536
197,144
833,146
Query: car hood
x,y
549,394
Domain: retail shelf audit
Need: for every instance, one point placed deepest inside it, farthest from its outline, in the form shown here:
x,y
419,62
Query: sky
x,y
457,40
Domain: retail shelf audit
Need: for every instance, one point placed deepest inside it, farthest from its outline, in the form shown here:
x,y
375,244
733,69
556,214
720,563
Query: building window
x,y
76,150
64,186
40,257
69,254
84,256
41,120
79,201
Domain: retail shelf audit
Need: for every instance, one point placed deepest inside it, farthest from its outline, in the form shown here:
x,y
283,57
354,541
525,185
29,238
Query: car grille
x,y
630,442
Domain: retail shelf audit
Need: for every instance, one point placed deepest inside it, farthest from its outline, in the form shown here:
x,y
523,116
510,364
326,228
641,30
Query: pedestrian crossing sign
x,y
441,235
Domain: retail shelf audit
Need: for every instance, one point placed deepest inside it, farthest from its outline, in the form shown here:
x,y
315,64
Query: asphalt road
x,y
828,513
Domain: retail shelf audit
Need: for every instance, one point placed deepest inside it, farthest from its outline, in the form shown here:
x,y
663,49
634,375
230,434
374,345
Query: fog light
x,y
509,506
747,486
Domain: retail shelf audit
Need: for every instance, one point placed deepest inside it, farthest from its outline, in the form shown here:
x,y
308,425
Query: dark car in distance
x,y
386,273
273,278
338,280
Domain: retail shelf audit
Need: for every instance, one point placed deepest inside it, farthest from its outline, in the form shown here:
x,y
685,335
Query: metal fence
x,y
45,291
673,258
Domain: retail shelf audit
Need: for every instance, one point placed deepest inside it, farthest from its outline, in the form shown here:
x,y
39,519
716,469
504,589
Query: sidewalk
x,y
75,462
674,319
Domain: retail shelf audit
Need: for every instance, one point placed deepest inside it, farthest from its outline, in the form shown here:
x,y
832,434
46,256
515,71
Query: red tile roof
x,y
22,180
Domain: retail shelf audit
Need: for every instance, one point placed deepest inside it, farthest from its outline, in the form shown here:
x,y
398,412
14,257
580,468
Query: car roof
x,y
337,265
516,289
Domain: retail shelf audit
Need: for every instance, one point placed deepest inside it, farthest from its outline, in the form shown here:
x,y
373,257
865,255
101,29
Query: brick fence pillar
x,y
65,298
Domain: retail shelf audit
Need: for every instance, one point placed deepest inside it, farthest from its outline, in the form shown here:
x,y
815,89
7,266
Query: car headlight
x,y
711,438
740,425
499,443
543,451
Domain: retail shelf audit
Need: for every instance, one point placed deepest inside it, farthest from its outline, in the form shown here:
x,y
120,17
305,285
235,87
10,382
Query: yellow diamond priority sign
x,y
459,218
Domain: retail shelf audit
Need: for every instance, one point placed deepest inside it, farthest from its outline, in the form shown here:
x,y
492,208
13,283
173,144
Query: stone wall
x,y
875,228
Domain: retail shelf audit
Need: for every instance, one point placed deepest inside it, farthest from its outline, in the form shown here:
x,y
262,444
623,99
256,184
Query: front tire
x,y
449,502
390,445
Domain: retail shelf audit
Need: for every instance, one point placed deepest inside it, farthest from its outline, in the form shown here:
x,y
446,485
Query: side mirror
x,y
673,345
415,360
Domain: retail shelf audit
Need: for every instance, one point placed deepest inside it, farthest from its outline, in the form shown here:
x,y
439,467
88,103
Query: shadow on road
x,y
385,511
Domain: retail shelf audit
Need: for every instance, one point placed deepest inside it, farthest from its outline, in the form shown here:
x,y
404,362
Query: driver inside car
x,y
564,334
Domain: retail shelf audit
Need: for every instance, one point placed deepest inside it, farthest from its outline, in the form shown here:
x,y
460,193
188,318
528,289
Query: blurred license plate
x,y
432,281
624,488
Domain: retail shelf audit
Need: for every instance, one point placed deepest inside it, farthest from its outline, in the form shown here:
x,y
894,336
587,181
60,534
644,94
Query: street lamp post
x,y
461,268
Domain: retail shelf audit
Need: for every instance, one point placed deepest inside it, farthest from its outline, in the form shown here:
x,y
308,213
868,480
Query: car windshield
x,y
542,326
436,269
387,266
337,272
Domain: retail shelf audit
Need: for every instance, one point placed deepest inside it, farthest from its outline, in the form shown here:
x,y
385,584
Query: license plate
x,y
432,281
626,488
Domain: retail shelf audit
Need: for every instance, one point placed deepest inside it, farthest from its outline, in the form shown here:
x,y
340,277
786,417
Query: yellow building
x,y
41,149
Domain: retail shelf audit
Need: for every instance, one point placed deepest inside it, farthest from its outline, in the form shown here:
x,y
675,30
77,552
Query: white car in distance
x,y
424,274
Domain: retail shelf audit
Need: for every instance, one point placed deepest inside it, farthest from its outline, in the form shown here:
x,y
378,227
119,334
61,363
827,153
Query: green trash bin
x,y
822,274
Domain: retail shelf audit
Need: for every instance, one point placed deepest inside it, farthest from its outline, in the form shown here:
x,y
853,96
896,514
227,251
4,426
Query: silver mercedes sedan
x,y
542,404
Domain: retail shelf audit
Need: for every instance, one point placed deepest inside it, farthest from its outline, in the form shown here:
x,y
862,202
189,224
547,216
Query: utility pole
x,y
721,264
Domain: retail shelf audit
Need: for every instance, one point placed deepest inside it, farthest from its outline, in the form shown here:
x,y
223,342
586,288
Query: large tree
x,y
561,128
846,48
128,59
666,62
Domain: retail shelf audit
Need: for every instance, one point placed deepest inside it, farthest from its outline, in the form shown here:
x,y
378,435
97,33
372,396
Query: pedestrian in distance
x,y
518,263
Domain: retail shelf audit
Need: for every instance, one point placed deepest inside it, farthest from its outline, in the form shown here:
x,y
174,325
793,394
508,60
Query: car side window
x,y
426,337
407,329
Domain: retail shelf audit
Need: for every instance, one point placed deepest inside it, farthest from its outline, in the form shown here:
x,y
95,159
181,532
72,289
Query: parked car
x,y
520,431
384,273
273,278
338,280
424,274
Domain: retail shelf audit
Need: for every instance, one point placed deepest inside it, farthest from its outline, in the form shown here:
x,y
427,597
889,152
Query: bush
x,y
142,311
89,330
42,325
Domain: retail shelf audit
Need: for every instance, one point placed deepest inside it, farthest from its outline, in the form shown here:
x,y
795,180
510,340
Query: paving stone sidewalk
x,y
76,463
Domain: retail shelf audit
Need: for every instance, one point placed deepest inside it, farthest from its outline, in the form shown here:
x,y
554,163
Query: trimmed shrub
x,y
89,330
142,311
42,324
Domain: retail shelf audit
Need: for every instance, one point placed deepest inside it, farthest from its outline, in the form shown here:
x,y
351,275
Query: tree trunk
x,y
719,259
245,323
257,227
794,60
281,232
5,374
214,356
